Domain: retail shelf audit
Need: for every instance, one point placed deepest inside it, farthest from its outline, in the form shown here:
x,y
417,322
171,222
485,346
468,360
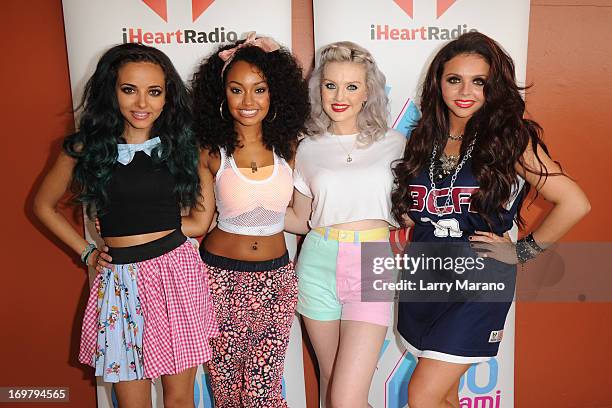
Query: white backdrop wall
x,y
187,31
403,36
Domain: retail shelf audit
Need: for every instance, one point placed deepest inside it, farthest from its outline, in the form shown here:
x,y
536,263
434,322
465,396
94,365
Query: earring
x,y
221,111
363,103
274,117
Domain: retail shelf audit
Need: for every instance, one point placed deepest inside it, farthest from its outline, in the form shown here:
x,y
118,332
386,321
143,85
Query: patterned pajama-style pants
x,y
254,310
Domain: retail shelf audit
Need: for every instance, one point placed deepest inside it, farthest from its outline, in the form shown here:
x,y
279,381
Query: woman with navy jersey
x,y
468,164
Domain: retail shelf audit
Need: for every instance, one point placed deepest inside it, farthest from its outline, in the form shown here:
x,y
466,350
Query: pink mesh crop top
x,y
252,207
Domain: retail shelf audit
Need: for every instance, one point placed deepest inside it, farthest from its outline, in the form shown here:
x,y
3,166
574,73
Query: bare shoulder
x,y
536,161
210,160
65,161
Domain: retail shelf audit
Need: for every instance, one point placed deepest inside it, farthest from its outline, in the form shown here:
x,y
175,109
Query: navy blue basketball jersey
x,y
457,221
457,326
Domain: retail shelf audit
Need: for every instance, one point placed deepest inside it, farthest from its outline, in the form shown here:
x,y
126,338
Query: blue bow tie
x,y
126,152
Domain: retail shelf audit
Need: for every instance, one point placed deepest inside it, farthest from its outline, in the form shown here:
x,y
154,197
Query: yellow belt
x,y
376,234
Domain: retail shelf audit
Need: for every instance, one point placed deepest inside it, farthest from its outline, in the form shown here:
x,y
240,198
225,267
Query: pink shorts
x,y
329,277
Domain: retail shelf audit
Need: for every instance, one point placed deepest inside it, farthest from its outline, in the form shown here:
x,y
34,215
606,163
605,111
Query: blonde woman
x,y
343,182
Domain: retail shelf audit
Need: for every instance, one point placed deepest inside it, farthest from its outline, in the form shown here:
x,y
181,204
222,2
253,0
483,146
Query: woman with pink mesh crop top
x,y
250,104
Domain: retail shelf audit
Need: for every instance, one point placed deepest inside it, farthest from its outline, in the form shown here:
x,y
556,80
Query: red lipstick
x,y
464,103
339,107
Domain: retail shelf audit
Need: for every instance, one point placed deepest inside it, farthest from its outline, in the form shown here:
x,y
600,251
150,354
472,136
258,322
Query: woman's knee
x,y
348,398
178,399
424,397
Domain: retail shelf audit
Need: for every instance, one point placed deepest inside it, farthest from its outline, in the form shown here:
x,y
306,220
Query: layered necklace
x,y
458,165
447,162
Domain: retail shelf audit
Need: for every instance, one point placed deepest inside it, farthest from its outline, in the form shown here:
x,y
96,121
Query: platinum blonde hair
x,y
372,119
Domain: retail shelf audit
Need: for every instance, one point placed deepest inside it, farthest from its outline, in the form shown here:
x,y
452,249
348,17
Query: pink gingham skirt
x,y
149,318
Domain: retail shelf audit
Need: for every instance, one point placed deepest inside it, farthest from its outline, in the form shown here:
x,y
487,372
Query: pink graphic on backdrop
x,y
441,6
407,6
160,7
400,114
198,7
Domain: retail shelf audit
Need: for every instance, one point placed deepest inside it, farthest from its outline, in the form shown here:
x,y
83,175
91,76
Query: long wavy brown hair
x,y
501,133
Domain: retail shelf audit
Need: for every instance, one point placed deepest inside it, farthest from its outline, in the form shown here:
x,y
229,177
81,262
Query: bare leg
x,y
324,336
453,395
433,382
178,389
360,345
133,394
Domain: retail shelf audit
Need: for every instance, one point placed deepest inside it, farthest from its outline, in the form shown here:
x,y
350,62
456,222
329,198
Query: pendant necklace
x,y
468,154
348,153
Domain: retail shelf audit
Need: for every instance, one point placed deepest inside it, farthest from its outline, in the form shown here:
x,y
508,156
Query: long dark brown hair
x,y
501,133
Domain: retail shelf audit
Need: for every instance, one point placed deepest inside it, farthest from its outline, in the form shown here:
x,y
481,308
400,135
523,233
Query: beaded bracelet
x,y
87,252
527,248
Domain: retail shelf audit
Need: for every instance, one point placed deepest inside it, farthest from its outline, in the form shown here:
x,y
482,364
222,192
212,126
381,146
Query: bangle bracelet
x,y
88,255
87,252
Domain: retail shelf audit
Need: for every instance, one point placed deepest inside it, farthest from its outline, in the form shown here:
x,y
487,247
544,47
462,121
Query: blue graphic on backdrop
x,y
114,398
384,348
408,120
408,116
397,386
202,391
470,378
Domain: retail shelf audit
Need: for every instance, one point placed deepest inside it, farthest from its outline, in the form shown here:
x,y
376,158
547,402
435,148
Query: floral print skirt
x,y
149,318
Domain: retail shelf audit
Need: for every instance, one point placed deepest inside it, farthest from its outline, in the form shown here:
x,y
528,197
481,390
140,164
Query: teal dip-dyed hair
x,y
101,125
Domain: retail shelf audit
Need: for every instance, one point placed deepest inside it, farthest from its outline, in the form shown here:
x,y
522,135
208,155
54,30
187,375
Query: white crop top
x,y
252,207
345,192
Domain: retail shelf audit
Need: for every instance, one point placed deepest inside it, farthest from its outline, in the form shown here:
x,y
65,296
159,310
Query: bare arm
x,y
570,205
198,221
570,202
49,194
298,214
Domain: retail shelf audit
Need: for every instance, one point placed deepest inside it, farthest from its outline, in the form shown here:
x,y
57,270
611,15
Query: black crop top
x,y
142,199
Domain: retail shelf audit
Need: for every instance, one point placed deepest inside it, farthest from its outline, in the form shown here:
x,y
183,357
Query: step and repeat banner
x,y
187,31
403,36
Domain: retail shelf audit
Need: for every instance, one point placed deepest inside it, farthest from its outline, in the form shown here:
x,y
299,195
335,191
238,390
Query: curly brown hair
x,y
288,99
